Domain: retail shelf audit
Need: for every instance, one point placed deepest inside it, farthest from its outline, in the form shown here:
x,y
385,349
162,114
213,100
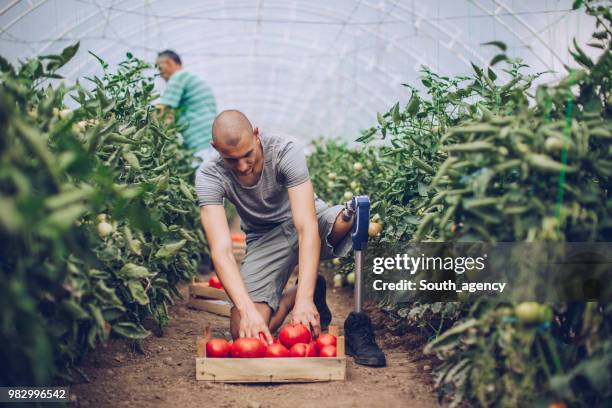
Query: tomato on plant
x,y
292,334
217,348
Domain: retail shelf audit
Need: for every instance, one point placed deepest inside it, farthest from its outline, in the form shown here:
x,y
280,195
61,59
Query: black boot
x,y
360,342
321,304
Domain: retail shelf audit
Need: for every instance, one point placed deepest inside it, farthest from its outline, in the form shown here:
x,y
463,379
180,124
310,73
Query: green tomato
x,y
350,278
338,280
104,229
528,312
348,195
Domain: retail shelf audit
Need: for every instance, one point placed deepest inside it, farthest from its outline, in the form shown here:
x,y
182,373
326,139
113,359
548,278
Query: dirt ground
x,y
164,376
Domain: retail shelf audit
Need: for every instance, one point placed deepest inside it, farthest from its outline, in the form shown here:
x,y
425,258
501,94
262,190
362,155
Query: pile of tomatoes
x,y
294,340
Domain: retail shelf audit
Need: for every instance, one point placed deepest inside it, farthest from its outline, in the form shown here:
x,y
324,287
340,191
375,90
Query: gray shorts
x,y
270,259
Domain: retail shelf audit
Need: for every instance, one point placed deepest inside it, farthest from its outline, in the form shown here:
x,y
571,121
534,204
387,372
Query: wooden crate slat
x,y
219,307
249,370
202,289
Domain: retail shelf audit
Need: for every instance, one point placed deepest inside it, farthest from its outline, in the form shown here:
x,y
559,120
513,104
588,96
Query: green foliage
x,y
481,159
89,199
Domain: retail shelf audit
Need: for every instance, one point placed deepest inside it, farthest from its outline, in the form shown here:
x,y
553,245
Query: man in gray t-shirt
x,y
266,178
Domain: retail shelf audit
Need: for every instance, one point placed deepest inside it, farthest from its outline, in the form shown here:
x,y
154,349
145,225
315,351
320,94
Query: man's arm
x,y
165,113
217,232
301,199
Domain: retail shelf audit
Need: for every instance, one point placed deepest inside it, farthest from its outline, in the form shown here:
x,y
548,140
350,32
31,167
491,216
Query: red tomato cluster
x,y
214,282
294,340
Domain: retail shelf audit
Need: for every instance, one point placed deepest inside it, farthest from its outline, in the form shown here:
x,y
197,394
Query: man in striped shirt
x,y
192,102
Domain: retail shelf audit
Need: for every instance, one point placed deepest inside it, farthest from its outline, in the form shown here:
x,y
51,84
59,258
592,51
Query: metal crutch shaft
x,y
361,221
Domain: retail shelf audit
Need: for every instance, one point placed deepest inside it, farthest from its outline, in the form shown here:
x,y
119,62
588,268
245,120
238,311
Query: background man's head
x,y
236,141
168,62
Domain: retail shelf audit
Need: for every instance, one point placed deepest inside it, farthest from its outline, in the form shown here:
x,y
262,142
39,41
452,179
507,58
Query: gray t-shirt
x,y
266,204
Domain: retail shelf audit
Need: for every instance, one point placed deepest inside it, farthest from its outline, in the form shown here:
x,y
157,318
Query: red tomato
x,y
277,350
292,334
325,340
327,351
303,350
217,348
214,282
248,347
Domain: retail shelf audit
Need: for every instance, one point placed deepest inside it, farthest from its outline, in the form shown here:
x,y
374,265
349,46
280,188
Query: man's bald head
x,y
229,127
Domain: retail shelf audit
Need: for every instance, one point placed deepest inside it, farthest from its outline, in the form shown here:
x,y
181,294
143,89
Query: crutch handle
x,y
361,222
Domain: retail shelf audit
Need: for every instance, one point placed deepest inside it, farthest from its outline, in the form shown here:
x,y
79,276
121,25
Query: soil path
x,y
164,376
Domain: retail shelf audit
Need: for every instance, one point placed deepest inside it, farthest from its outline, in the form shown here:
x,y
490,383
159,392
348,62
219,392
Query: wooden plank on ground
x,y
254,370
219,307
203,289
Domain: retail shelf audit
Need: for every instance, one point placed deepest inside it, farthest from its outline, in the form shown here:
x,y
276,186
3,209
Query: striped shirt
x,y
196,106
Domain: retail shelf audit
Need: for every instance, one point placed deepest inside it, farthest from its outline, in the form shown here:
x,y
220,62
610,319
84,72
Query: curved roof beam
x,y
504,24
21,16
437,26
531,30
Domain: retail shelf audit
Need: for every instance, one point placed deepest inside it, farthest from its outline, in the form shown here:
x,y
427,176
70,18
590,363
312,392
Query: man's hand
x,y
305,312
252,324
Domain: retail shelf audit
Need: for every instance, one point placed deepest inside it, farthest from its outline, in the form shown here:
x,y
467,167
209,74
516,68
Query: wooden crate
x,y
203,290
270,370
213,300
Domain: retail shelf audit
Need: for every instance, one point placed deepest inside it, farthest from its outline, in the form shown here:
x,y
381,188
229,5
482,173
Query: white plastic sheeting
x,y
307,68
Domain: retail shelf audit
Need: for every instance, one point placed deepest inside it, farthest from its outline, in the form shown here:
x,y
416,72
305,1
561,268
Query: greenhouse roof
x,y
306,68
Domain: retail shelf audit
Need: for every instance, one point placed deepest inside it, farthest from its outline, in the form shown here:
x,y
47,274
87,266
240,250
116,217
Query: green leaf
x,y
577,4
395,114
70,52
138,292
498,58
74,309
6,66
499,44
100,60
130,330
65,218
381,119
170,249
413,105
477,69
492,74
132,271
